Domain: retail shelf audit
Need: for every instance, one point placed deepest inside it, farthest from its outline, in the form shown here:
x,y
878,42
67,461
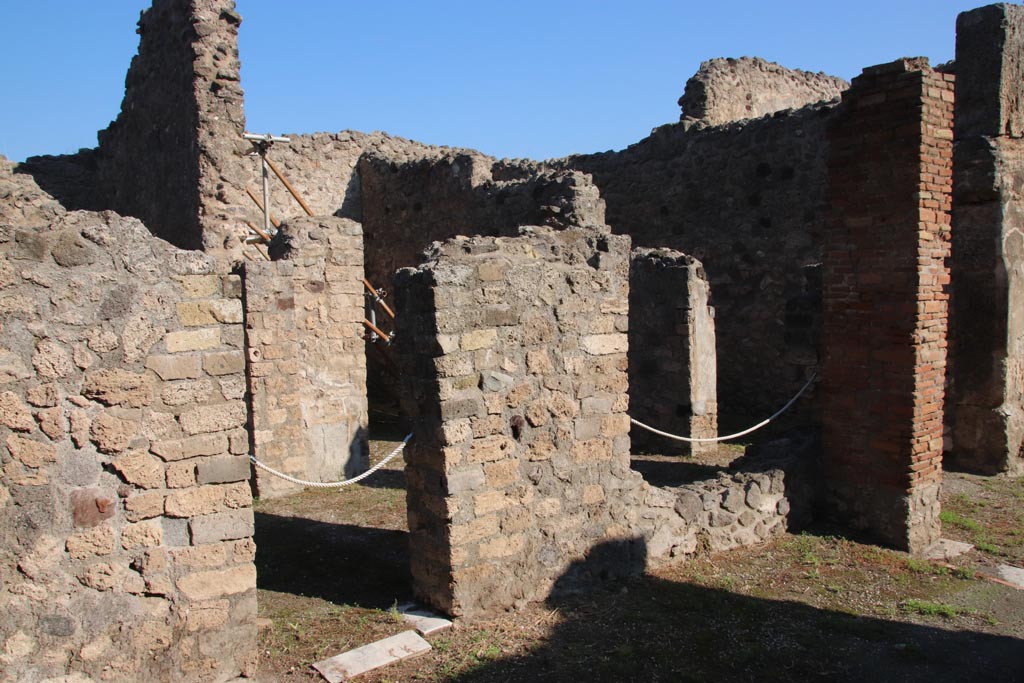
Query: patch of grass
x,y
957,520
806,547
965,573
928,608
986,546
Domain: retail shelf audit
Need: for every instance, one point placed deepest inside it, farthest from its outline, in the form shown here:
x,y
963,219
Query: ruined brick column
x,y
884,338
986,404
672,359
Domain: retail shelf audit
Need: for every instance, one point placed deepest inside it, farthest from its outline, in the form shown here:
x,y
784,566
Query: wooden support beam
x,y
292,190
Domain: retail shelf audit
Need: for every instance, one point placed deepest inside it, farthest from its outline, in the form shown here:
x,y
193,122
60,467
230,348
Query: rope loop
x,y
728,437
333,484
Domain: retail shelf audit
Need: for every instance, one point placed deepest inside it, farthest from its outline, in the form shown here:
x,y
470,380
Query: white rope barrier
x,y
333,484
716,439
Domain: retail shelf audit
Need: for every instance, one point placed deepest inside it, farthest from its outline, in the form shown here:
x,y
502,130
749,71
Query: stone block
x,y
478,339
222,526
222,470
224,363
216,418
141,469
604,344
144,505
53,422
201,557
186,392
491,448
30,452
199,286
203,500
110,433
501,474
209,585
192,340
51,360
465,479
118,387
191,447
181,475
237,495
208,616
14,414
175,367
146,534
98,540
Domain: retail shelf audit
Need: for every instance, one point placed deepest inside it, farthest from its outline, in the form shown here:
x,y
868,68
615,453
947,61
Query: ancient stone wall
x,y
746,200
307,366
125,514
986,406
887,238
514,360
173,156
323,168
726,90
672,362
440,193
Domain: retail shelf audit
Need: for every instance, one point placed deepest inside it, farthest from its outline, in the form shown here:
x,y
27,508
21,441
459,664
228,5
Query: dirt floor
x,y
332,565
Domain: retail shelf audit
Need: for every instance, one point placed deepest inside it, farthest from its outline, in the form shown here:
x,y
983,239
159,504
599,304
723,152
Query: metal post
x,y
266,191
262,144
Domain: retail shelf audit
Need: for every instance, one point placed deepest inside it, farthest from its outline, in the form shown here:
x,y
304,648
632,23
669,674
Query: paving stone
x,y
946,549
373,656
424,621
1014,575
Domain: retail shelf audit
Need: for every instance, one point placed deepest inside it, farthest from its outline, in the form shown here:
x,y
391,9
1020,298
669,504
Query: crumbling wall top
x,y
726,90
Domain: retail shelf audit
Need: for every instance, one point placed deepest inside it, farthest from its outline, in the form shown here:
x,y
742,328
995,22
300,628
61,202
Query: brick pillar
x,y
884,339
986,407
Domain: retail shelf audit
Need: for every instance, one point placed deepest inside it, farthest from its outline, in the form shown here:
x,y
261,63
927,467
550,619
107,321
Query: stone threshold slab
x,y
355,662
1011,575
425,622
946,549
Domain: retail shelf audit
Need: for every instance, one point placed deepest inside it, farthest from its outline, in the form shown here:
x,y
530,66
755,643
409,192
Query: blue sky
x,y
520,79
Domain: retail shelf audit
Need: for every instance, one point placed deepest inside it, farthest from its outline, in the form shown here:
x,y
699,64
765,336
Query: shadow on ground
x,y
649,629
341,563
668,472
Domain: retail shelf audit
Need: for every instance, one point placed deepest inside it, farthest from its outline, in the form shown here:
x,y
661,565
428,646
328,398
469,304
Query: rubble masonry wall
x,y
887,239
513,353
725,90
126,526
307,366
745,199
173,156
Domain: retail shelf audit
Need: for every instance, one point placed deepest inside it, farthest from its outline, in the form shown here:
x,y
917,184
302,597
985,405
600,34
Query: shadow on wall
x,y
650,629
68,178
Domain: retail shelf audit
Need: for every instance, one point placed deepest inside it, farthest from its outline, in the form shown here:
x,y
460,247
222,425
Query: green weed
x,y
928,608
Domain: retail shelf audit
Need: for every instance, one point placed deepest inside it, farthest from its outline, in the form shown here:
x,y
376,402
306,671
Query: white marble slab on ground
x,y
424,621
1014,575
946,549
350,664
